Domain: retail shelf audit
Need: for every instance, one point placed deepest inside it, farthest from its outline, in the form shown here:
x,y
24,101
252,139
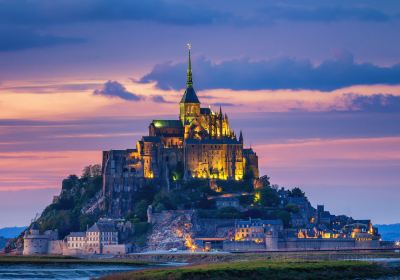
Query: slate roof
x,y
205,111
151,139
212,141
190,96
102,227
77,234
258,222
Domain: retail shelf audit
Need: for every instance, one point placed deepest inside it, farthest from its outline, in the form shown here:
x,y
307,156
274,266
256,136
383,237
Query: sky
x,y
314,85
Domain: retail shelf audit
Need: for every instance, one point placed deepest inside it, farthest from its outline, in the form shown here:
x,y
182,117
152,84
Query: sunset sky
x,y
314,85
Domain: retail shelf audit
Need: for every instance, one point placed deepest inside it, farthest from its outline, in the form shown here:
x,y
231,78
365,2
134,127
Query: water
x,y
61,271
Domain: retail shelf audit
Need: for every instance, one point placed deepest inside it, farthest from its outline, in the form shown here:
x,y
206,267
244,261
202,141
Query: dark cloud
x,y
318,11
160,99
52,88
281,73
116,90
180,12
16,38
383,103
47,12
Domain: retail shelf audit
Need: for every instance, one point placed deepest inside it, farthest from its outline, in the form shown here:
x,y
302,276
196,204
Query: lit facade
x,y
198,144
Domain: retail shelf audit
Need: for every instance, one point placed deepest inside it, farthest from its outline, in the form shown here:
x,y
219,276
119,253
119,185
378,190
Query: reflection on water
x,y
60,271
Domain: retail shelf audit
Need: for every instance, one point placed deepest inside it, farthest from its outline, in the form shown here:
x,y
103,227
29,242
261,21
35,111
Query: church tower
x,y
189,107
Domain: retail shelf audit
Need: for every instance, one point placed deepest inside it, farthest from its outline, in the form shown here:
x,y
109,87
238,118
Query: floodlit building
x,y
200,143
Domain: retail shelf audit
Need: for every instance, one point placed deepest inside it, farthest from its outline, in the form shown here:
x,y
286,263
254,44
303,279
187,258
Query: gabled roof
x,y
102,227
189,96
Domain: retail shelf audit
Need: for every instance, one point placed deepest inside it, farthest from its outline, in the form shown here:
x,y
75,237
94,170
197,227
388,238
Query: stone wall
x,y
243,246
56,247
120,249
316,244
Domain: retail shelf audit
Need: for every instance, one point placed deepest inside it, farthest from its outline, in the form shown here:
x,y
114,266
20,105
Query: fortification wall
x,y
55,247
243,246
316,244
37,245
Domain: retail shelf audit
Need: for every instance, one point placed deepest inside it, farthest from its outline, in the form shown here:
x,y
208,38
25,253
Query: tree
x,y
266,197
141,210
70,182
91,171
228,213
297,192
284,216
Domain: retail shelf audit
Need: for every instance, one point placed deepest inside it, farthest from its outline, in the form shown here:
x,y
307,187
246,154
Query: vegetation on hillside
x,y
65,213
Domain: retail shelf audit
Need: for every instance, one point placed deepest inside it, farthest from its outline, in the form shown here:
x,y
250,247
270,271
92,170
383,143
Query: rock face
x,y
172,229
179,228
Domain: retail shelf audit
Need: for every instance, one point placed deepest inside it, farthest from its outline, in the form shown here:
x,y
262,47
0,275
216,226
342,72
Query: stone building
x,y
255,229
95,240
199,144
37,243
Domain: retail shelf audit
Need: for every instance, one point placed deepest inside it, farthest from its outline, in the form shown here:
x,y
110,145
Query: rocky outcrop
x,y
179,228
172,229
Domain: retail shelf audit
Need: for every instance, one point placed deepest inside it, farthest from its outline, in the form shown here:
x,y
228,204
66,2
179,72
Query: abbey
x,y
198,144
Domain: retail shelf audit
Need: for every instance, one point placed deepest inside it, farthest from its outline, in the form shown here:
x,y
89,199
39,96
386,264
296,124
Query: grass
x,y
265,270
67,260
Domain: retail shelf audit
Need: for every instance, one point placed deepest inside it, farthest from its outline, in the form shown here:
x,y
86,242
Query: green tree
x,y
228,213
297,192
267,196
141,210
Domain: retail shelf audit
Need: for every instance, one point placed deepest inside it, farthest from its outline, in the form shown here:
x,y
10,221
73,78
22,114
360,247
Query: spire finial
x,y
189,81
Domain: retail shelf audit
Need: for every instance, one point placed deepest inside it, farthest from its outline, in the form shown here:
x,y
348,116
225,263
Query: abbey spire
x,y
189,107
190,94
189,78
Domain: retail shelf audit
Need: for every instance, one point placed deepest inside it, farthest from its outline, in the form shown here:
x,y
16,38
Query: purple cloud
x,y
280,73
114,89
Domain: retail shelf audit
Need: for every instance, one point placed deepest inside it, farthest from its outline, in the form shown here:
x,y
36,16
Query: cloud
x,y
159,99
49,12
280,73
114,89
51,88
383,103
318,11
16,38
224,104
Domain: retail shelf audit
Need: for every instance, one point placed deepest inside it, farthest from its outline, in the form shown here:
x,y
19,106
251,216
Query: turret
x,y
189,107
241,137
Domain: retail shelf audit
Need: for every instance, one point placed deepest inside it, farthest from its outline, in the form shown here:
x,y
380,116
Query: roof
x,y
77,234
259,222
189,96
212,141
102,227
205,111
167,123
151,139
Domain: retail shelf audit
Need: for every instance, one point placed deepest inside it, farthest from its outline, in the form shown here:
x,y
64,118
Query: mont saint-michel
x,y
189,185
